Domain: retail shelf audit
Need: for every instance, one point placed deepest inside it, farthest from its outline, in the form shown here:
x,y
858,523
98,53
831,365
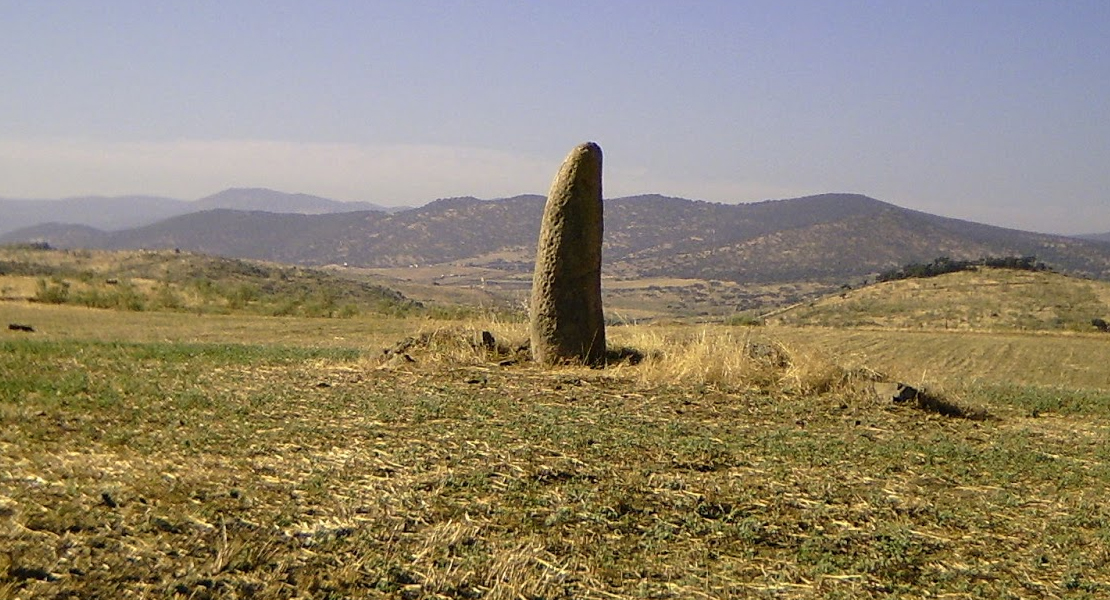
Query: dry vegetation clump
x,y
462,344
707,359
715,358
722,358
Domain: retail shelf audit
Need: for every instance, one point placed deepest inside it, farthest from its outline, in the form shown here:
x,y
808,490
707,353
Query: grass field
x,y
172,455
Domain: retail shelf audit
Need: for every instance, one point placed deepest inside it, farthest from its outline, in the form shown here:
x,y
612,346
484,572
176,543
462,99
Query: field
x,y
181,455
628,299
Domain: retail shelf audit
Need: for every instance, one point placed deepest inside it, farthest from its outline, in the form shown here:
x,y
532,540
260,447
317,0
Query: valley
x,y
263,444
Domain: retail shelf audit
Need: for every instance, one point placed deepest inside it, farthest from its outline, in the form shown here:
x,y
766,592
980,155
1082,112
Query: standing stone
x,y
567,323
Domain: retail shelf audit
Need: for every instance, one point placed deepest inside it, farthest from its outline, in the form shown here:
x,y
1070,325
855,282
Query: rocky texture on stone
x,y
567,322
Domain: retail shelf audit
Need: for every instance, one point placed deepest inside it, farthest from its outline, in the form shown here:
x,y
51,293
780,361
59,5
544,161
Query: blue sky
x,y
991,111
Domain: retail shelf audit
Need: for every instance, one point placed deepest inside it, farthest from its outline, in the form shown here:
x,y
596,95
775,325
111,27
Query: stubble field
x,y
163,455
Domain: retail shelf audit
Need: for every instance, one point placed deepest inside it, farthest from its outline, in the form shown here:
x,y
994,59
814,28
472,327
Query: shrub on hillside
x,y
53,292
30,246
123,296
1018,263
745,320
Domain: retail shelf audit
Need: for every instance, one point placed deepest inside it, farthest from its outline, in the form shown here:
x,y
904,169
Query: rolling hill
x,y
830,237
182,281
983,299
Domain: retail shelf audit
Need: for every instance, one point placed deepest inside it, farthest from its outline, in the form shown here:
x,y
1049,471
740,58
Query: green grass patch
x,y
1038,400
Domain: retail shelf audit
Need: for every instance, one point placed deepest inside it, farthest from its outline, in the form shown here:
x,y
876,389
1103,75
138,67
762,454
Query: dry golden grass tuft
x,y
710,356
733,358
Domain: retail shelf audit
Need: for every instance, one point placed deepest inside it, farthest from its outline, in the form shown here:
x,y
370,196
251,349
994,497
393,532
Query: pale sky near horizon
x,y
992,111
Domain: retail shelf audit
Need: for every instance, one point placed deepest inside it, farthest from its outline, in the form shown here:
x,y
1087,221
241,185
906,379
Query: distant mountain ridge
x,y
829,237
279,202
1097,237
115,213
107,213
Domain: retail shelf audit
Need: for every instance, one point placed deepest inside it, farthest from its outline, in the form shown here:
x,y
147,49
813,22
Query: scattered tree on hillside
x,y
1018,263
944,264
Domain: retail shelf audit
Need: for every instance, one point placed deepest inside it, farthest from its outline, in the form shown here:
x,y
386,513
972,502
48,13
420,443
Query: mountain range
x,y
124,212
828,238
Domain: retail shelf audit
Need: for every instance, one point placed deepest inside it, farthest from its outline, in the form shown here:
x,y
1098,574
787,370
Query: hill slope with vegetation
x,y
982,299
176,281
831,238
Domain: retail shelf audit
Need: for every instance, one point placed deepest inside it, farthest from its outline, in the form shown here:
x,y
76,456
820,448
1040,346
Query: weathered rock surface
x,y
567,322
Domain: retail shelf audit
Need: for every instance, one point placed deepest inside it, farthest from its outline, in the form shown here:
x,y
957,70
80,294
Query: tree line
x,y
944,264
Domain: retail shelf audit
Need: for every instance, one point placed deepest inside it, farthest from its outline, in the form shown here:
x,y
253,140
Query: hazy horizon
x,y
488,199
992,112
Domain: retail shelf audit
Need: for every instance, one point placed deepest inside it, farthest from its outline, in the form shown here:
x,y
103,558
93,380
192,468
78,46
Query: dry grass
x,y
961,359
456,343
731,358
688,355
182,465
60,323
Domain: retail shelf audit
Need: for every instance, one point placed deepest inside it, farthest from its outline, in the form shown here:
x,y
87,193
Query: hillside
x,y
984,299
832,238
178,281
